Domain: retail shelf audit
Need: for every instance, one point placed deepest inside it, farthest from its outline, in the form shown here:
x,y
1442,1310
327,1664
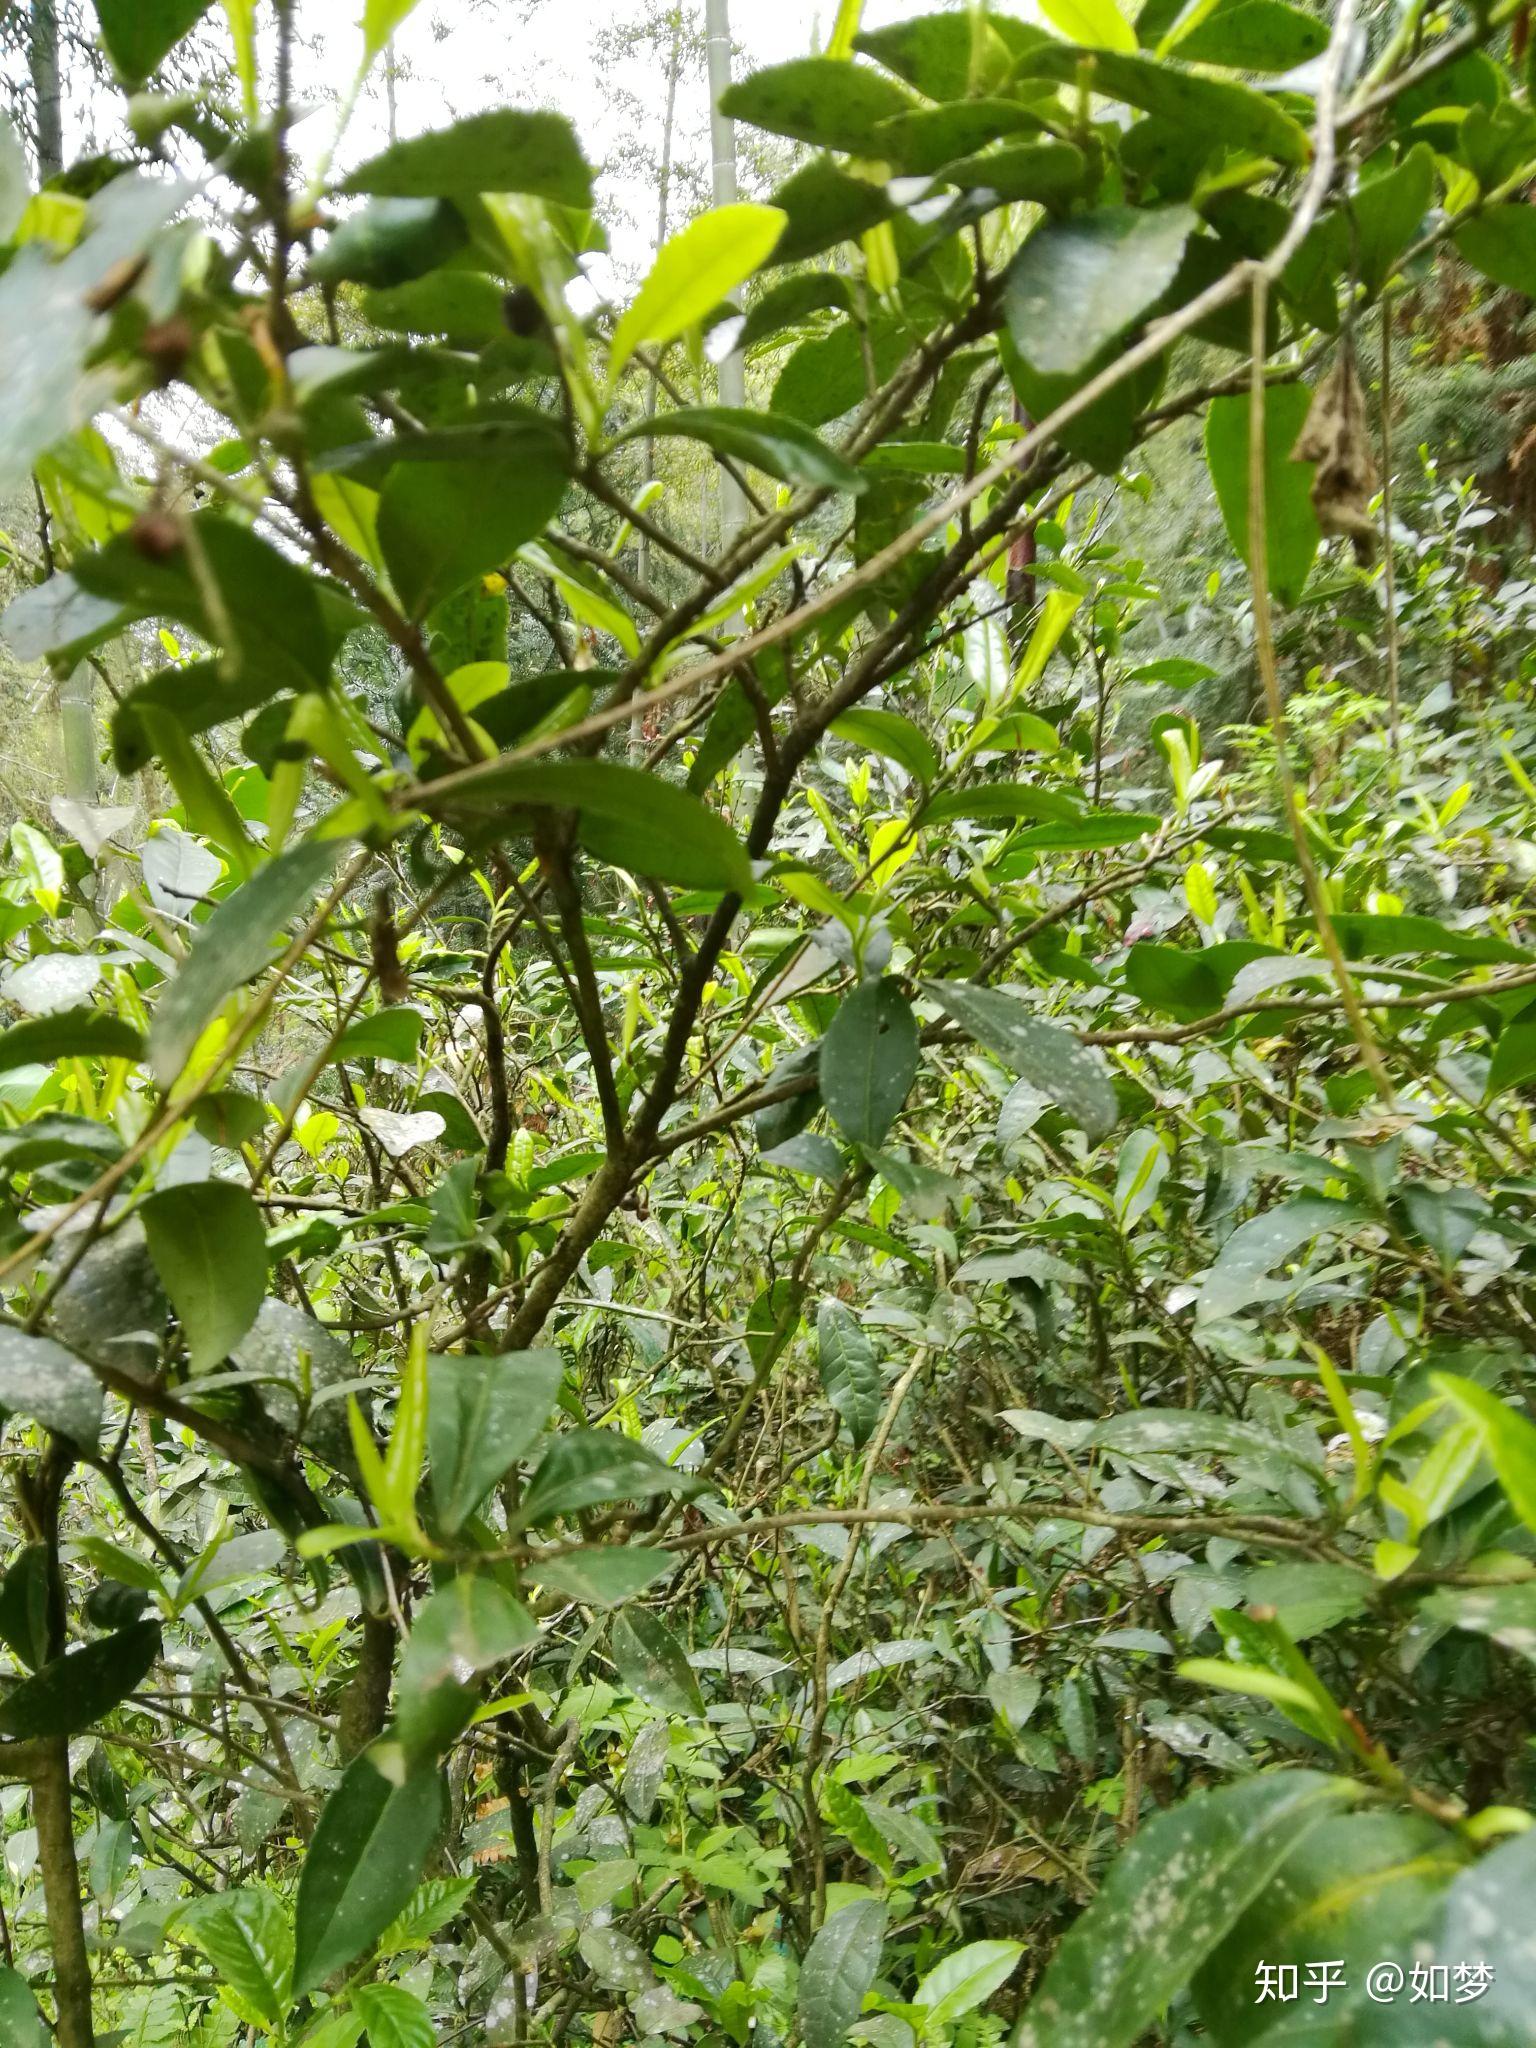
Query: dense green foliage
x,y
748,1289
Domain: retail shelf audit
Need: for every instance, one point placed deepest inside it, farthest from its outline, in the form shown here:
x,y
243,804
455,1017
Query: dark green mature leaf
x,y
369,1849
823,206
1050,1059
632,819
1236,1277
503,150
868,1061
818,100
781,1121
1175,1432
1204,106
465,306
1309,1599
795,298
209,1246
24,1606
781,446
444,524
1480,1923
246,1936
1514,1056
391,241
1042,173
1084,835
1388,212
69,1035
74,1691
586,1468
1078,284
924,141
1501,243
1376,936
298,1369
43,1381
482,1414
468,1627
602,1578
829,374
651,1663
234,945
1505,1614
238,592
840,1966
773,1320
21,2023
1168,1899
1105,431
849,1370
937,53
386,1035
199,696
1292,534
1255,35
140,34
1357,1886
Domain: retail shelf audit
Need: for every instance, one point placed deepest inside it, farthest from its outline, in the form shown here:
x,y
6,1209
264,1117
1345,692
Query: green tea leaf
x,y
1049,1058
849,1371
503,150
1078,284
209,1246
75,1691
468,1627
233,947
246,1936
482,1414
868,1061
1291,530
368,1851
840,1966
140,34
652,1664
701,265
628,817
586,1468
1169,1898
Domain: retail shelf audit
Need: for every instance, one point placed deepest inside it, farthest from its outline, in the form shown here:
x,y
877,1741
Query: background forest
x,y
766,1160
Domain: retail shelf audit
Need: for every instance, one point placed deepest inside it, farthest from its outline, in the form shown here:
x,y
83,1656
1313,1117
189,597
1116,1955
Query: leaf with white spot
x,y
400,1134
1167,1901
840,1967
1050,1059
50,983
179,872
91,826
46,1383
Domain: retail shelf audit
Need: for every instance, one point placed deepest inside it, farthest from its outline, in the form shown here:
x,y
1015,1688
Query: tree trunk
x,y
43,54
61,1893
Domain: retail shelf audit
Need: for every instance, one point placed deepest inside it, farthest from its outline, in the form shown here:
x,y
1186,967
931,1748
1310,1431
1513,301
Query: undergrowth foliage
x,y
729,1307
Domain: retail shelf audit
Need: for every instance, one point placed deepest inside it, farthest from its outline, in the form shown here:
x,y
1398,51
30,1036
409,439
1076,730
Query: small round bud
x,y
157,535
523,314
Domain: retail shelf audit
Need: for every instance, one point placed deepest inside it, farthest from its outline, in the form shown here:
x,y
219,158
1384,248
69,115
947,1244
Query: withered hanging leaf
x,y
1337,438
